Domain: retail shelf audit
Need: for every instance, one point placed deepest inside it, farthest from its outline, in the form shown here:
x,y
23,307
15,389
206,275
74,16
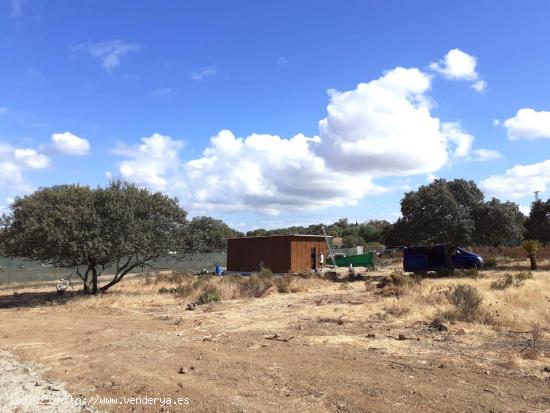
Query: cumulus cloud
x,y
384,127
269,173
150,162
381,128
462,141
459,65
528,124
70,144
203,72
31,158
14,162
486,154
110,52
520,181
479,86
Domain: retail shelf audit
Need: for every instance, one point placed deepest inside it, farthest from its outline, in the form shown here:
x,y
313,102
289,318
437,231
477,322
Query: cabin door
x,y
314,258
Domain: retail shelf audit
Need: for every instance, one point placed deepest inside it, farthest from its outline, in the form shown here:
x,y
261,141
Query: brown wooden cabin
x,y
279,253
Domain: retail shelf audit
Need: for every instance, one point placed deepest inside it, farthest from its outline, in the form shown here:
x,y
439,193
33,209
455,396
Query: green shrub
x,y
209,295
265,272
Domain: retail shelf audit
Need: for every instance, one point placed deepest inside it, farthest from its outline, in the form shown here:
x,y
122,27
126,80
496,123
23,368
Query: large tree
x,y
207,234
538,222
121,227
497,222
439,213
454,213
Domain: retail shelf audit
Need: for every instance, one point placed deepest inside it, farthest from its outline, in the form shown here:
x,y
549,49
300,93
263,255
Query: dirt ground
x,y
330,349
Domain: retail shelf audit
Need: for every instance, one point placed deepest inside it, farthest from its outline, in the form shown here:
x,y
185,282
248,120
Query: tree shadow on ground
x,y
35,299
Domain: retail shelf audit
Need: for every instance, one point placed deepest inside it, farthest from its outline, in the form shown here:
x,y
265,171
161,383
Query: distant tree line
x,y
443,212
126,227
352,233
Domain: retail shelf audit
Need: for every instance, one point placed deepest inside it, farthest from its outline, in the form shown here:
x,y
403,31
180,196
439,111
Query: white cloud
x,y
269,174
520,181
459,65
525,209
202,73
486,154
31,158
496,122
456,65
381,128
110,52
151,161
14,162
479,86
453,134
161,92
384,127
70,144
3,109
528,124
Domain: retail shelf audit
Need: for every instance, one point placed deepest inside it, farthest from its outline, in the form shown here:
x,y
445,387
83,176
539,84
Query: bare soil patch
x,y
329,347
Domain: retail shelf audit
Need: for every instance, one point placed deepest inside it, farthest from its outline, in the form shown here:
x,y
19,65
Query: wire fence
x,y
15,270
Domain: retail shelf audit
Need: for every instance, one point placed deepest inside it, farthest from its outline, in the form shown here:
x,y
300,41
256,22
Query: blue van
x,y
422,259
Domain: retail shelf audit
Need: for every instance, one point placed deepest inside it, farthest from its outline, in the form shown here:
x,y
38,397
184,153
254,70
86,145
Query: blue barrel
x,y
218,270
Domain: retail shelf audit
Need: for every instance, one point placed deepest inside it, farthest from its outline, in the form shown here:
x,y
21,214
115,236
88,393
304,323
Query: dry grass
x,y
164,289
525,302
503,255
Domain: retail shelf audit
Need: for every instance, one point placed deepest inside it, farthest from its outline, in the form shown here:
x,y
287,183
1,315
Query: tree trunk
x,y
85,284
533,259
92,265
114,281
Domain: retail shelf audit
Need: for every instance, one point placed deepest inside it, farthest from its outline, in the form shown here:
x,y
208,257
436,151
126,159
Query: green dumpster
x,y
363,260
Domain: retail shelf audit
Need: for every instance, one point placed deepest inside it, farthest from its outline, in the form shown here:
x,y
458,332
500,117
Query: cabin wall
x,y
249,254
301,253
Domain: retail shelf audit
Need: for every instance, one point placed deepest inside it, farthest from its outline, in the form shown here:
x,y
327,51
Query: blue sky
x,y
251,111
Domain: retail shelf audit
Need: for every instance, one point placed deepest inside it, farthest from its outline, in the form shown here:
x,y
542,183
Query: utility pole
x,y
329,246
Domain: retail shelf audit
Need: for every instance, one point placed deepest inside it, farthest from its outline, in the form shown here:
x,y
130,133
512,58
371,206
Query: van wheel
x,y
472,266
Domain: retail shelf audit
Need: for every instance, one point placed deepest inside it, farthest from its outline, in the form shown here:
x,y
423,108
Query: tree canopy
x,y
454,213
538,222
121,226
497,222
352,233
439,213
207,234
